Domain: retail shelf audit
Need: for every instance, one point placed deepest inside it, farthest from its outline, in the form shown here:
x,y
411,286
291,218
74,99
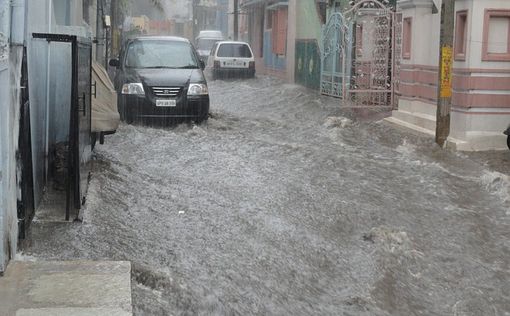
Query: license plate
x,y
237,64
166,103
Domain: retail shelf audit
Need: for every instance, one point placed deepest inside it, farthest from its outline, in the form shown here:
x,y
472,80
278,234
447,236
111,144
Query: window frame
x,y
407,37
279,27
486,55
460,48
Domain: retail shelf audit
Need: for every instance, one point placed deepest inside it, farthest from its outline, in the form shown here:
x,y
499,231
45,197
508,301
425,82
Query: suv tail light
x,y
252,65
217,64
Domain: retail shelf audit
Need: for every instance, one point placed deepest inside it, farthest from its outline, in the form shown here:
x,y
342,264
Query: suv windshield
x,y
160,54
234,50
206,44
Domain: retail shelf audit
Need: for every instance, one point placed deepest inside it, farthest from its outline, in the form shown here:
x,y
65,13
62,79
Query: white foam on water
x,y
24,258
497,184
406,148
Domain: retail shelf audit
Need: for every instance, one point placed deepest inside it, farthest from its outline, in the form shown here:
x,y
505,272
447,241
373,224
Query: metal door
x,y
26,205
79,148
333,56
84,147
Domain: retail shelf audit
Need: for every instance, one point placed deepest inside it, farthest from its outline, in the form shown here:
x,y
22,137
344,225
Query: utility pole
x,y
114,10
444,100
236,20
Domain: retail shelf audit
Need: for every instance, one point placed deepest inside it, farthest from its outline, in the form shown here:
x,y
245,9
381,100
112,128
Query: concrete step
x,y
74,288
399,123
416,118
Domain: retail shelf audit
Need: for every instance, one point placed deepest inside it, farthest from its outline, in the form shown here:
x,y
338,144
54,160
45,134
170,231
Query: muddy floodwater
x,y
285,203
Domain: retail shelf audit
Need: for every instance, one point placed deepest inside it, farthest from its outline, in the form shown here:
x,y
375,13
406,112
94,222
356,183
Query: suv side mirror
x,y
202,64
114,63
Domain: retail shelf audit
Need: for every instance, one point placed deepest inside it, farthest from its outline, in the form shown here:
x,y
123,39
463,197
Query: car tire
x,y
508,141
203,118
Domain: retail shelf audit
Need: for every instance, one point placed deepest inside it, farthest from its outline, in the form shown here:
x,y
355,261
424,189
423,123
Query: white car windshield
x,y
160,54
234,50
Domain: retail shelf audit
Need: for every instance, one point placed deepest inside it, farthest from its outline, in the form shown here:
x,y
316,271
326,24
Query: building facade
x,y
35,74
210,15
286,36
481,71
271,29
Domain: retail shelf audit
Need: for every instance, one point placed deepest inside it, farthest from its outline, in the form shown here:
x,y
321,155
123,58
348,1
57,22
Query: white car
x,y
232,60
205,41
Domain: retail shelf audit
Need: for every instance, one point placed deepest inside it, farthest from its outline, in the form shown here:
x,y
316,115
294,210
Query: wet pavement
x,y
284,203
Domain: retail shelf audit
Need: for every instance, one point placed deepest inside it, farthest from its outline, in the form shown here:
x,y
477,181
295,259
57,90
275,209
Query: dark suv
x,y
159,79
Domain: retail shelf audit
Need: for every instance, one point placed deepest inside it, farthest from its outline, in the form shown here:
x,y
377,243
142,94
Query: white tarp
x,y
105,116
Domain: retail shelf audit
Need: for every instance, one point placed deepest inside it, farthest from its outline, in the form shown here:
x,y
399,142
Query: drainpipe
x,y
99,32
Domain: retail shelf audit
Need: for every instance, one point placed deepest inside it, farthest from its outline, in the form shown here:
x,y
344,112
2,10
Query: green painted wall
x,y
308,25
308,35
308,63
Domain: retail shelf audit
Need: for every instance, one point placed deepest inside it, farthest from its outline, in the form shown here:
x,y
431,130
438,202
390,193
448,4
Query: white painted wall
x,y
475,38
425,36
471,129
10,69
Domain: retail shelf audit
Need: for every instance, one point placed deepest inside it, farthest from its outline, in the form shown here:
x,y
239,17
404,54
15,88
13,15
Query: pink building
x,y
481,71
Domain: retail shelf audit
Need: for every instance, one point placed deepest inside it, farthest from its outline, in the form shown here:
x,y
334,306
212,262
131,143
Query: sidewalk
x,y
77,288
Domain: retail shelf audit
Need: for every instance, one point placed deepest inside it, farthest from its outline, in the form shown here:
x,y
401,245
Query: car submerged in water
x,y
159,80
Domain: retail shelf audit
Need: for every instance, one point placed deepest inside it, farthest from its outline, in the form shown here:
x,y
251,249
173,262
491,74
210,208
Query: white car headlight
x,y
133,88
198,89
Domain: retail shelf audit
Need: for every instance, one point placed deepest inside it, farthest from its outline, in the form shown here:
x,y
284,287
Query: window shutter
x,y
281,32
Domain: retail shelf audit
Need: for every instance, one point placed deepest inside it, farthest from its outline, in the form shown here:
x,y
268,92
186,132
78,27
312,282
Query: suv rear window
x,y
234,50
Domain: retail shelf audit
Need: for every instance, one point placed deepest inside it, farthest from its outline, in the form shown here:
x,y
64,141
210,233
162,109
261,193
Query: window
x,y
279,31
407,38
234,50
496,35
460,35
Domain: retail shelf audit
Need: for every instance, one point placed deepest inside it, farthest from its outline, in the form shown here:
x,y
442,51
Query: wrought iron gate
x,y
363,39
333,56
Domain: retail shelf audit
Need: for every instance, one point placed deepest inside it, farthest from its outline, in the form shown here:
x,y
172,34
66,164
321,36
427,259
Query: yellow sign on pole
x,y
446,72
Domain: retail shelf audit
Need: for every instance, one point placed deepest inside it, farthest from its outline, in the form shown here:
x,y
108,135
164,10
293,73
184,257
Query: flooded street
x,y
284,203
